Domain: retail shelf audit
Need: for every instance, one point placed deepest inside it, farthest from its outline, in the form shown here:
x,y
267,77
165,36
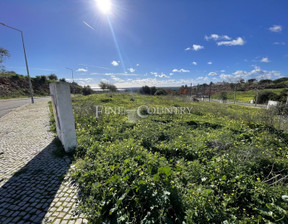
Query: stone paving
x,y
34,172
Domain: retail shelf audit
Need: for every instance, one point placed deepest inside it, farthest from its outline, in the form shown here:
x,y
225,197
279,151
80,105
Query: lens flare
x,y
104,6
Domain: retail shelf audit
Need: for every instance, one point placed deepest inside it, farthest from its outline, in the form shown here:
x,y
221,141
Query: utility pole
x,y
72,80
210,91
235,94
26,62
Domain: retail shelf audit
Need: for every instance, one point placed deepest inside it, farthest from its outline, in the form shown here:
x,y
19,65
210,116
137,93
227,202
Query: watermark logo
x,y
142,111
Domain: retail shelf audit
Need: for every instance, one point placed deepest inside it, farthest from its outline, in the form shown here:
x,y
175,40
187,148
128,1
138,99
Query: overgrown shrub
x,y
264,96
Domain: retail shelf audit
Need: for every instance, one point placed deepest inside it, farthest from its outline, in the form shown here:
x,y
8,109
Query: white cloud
x,y
180,70
154,82
203,78
81,70
212,74
105,80
237,42
137,65
217,37
162,75
279,43
256,72
197,47
275,28
91,27
194,63
188,49
82,81
120,74
209,62
115,63
222,70
265,60
131,70
117,79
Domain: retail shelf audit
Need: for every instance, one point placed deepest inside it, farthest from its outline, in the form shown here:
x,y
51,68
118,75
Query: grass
x,y
244,96
219,164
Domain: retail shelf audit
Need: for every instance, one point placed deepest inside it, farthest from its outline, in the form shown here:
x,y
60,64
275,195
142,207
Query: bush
x,y
145,90
265,96
125,180
160,92
87,90
223,96
52,77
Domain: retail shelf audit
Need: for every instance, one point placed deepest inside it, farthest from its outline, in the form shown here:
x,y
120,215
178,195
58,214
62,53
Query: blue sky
x,y
145,42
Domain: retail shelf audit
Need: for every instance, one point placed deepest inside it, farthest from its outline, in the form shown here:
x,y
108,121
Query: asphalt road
x,y
10,104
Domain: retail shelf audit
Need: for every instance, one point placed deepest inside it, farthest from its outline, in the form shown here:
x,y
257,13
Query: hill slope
x,y
14,85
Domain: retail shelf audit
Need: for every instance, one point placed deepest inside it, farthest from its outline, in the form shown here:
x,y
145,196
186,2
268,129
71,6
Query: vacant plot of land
x,y
216,163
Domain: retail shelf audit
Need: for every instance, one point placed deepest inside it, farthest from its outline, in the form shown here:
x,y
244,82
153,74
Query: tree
x,y
251,80
112,87
3,54
40,79
265,81
145,90
62,80
108,86
160,92
223,96
52,77
87,90
265,96
103,85
153,90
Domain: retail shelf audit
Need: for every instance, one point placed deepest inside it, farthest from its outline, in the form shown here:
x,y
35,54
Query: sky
x,y
159,43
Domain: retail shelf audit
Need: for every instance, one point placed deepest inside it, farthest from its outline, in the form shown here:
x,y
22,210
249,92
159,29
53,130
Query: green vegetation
x,y
107,86
219,164
247,96
13,85
4,53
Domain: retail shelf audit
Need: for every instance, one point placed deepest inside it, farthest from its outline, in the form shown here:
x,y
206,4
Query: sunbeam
x,y
116,44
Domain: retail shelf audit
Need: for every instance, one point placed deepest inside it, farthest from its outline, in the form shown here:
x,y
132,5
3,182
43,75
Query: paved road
x,y
10,104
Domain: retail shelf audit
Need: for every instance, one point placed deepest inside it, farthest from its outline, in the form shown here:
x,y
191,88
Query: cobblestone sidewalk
x,y
33,186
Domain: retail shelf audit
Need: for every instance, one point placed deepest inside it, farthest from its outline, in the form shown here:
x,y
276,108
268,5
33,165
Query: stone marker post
x,y
62,109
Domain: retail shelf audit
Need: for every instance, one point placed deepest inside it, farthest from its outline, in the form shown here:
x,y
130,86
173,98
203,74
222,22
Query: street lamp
x,y
73,80
26,62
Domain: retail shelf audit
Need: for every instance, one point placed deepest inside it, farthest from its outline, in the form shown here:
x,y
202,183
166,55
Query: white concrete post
x,y
63,113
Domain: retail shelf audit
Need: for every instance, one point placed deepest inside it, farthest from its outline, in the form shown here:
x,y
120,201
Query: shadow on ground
x,y
27,195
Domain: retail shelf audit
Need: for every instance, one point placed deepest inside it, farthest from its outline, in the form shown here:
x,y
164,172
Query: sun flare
x,y
104,6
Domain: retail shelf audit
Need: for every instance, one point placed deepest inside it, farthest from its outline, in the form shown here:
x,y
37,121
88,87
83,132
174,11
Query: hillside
x,y
14,85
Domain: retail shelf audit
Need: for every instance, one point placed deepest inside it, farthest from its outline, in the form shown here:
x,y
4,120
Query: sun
x,y
104,6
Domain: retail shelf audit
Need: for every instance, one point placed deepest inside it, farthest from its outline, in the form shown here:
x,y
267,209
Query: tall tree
x,y
3,54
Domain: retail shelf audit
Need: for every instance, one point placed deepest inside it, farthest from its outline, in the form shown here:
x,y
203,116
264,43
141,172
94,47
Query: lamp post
x,y
72,80
26,62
